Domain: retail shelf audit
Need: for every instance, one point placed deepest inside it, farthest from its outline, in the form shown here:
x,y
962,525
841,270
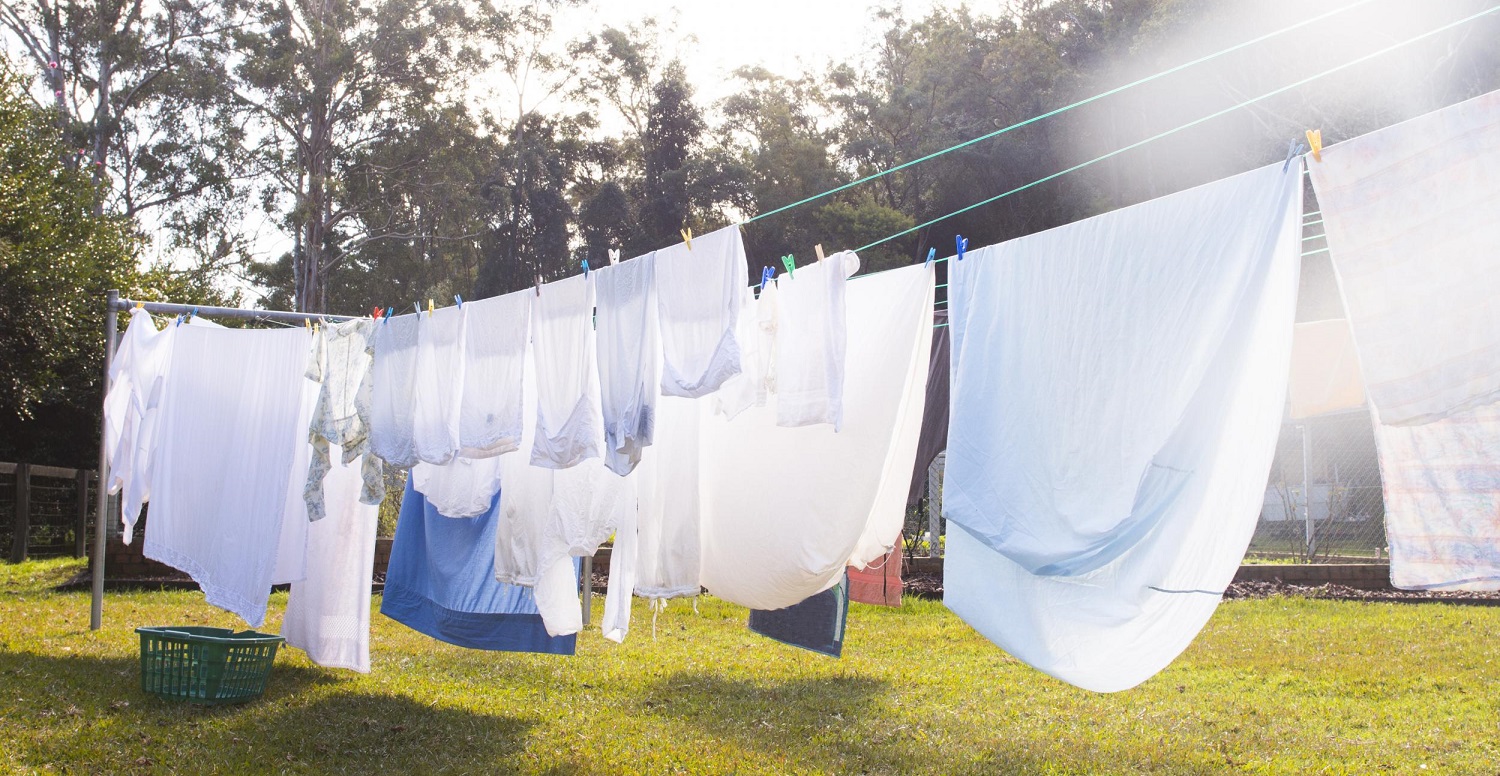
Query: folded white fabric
x,y
1118,385
1325,370
1410,213
785,510
328,612
341,362
438,384
699,291
629,353
569,428
392,399
228,436
463,487
1410,216
667,554
496,331
810,342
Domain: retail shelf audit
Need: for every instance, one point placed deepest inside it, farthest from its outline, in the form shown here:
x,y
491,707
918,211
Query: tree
x,y
674,129
532,214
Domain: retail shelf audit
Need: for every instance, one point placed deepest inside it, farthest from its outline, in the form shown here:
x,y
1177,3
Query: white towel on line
x,y
629,353
699,291
393,382
811,341
496,331
568,425
438,384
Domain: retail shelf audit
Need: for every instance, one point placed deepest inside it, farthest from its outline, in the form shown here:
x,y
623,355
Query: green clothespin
x,y
789,262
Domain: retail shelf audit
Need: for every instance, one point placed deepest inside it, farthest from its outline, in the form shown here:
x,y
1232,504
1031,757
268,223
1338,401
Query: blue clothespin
x,y
459,300
194,313
766,273
790,263
1293,150
931,254
962,243
179,321
585,267
418,307
388,312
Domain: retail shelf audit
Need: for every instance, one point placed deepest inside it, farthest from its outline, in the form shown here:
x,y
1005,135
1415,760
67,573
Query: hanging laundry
x,y
810,342
494,351
463,487
629,354
1325,370
441,582
291,544
392,391
341,363
1410,217
1118,385
328,612
667,558
785,510
816,624
548,516
438,384
934,438
755,331
699,291
569,427
878,584
228,436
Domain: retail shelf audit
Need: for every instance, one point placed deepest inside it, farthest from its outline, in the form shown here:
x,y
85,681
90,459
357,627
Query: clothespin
x,y
388,312
140,305
458,300
585,267
614,256
418,307
429,308
1292,149
766,273
194,313
962,243
931,254
818,249
375,313
539,284
790,263
179,321
1315,143
307,324
687,237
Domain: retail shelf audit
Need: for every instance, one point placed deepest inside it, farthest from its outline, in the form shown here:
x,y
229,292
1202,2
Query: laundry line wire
x,y
1216,114
1056,111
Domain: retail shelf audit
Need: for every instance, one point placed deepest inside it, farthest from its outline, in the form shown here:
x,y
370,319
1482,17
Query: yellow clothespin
x,y
140,305
1315,143
429,308
818,249
307,324
687,237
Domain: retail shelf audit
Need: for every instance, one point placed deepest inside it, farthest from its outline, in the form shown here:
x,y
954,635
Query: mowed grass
x,y
1284,685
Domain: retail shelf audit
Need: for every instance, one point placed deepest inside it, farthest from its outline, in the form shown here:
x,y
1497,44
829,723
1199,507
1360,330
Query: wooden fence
x,y
50,507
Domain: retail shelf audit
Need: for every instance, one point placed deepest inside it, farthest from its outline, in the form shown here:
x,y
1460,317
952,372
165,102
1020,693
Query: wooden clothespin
x,y
687,237
614,256
1315,143
790,263
818,249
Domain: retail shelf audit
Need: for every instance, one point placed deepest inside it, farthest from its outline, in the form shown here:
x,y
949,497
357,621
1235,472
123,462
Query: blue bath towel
x,y
815,624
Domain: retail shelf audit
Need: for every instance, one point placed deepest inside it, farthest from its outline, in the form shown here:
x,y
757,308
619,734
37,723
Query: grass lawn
x,y
1282,685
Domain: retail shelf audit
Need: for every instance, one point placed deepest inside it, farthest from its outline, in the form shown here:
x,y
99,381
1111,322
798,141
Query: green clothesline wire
x,y
1194,123
1064,109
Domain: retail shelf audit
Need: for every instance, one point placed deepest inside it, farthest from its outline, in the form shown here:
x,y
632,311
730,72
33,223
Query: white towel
x,y
667,549
463,487
810,342
785,510
629,353
699,291
393,403
228,437
569,428
438,384
496,331
1118,385
328,612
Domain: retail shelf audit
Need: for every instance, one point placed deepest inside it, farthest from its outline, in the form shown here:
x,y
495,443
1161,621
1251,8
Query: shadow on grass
x,y
74,710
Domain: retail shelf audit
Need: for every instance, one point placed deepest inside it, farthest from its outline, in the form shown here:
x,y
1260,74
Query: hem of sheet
x,y
214,593
576,442
492,632
724,364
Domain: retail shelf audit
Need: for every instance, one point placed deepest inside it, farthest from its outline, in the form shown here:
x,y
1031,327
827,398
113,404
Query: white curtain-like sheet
x,y
496,331
1411,214
1117,386
810,342
229,434
392,391
439,384
569,428
667,552
629,359
1325,370
785,510
698,296
328,611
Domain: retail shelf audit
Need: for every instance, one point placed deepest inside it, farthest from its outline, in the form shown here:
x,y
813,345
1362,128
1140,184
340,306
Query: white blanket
x,y
1117,390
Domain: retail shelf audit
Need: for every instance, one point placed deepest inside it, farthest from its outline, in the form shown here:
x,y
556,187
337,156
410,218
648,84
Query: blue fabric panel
x,y
816,624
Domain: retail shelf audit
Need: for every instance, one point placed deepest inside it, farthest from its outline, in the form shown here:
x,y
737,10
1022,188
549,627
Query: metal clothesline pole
x,y
114,304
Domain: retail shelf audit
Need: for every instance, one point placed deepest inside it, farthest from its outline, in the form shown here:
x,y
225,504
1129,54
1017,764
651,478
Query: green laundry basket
x,y
206,665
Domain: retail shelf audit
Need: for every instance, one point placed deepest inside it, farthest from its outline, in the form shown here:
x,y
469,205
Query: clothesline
x,y
1057,111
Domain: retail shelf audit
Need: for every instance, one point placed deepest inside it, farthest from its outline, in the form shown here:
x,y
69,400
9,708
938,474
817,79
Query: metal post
x,y
588,588
101,510
935,505
1312,539
21,528
81,517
